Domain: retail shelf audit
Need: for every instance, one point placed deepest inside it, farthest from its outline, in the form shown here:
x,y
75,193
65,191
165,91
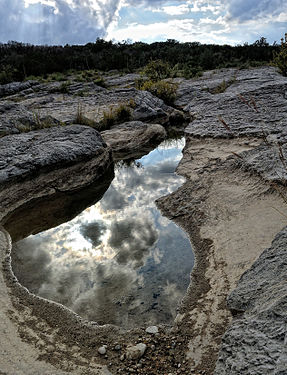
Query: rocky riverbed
x,y
232,319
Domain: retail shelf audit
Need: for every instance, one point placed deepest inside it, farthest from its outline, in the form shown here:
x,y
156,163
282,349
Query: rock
x,y
118,347
255,343
152,330
135,352
253,101
27,154
34,164
265,161
93,102
102,350
15,87
130,137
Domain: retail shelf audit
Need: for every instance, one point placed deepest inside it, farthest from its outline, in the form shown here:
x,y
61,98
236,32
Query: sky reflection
x,y
119,261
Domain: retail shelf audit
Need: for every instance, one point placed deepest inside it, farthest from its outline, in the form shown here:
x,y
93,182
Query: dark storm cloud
x,y
244,10
44,24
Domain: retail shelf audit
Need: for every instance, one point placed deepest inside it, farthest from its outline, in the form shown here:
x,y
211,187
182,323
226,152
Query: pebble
x,y
152,330
136,352
102,350
118,347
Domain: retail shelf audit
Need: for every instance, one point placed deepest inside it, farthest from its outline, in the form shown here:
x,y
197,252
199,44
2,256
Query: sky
x,y
61,22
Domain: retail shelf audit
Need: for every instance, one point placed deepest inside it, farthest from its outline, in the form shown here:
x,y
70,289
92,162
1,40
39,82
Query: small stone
x,y
102,350
152,330
136,352
118,347
152,347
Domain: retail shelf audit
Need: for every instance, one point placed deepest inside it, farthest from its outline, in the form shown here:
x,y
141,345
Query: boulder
x,y
45,161
130,137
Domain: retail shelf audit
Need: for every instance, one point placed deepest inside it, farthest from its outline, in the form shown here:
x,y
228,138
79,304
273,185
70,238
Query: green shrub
x,y
162,89
157,70
280,58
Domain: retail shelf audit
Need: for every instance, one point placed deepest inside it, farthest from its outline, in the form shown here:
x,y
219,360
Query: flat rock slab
x,y
255,343
267,160
252,102
25,155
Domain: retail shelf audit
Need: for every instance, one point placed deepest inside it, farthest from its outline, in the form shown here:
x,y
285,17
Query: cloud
x,y
243,10
93,232
57,22
133,239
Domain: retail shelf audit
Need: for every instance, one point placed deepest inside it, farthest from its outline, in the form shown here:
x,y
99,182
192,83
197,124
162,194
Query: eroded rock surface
x,y
256,341
48,106
45,161
236,103
128,138
225,206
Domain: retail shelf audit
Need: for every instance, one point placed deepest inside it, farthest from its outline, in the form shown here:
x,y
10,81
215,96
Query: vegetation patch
x,y
113,116
280,58
162,89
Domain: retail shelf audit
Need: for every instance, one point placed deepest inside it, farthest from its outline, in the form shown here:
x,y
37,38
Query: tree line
x,y
19,61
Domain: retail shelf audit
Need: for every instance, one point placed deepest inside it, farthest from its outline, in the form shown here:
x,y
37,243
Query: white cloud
x,y
185,30
173,10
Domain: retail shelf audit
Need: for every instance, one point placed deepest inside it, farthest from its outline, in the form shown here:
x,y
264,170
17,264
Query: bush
x,y
162,89
157,70
280,58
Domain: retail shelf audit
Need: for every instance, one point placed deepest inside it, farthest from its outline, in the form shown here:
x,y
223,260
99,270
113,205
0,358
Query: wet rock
x,y
131,136
135,352
152,330
255,343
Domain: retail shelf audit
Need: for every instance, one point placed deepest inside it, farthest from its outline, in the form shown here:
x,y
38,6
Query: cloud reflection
x,y
119,261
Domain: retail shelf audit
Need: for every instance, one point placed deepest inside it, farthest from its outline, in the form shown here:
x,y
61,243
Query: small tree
x,y
280,58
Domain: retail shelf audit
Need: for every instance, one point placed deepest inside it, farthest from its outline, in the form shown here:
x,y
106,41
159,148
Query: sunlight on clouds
x,y
185,30
174,10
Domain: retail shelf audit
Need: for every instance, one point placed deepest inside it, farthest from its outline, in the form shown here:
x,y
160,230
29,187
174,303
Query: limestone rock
x,y
23,155
136,352
15,87
152,330
131,136
39,163
265,161
91,100
248,101
255,343
102,350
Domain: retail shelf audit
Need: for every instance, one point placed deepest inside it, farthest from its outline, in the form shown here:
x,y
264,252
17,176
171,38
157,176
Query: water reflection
x,y
119,261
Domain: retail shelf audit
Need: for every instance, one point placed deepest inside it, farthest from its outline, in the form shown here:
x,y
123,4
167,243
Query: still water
x,y
119,261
